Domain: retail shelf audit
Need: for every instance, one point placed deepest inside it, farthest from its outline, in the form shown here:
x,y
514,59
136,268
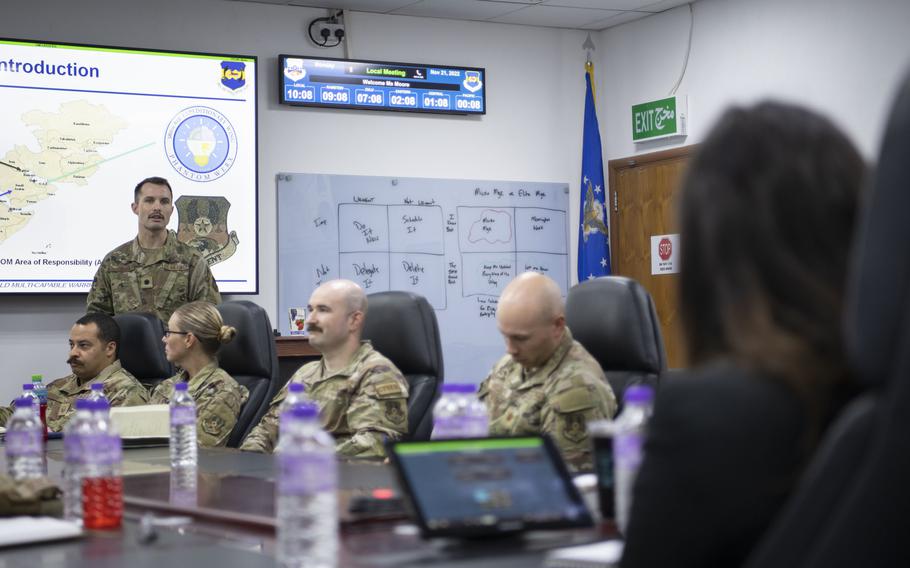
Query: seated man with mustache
x,y
362,396
94,341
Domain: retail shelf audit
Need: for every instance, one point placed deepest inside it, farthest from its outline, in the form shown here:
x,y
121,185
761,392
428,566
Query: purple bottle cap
x,y
639,394
295,387
28,386
23,402
98,386
462,388
304,411
180,386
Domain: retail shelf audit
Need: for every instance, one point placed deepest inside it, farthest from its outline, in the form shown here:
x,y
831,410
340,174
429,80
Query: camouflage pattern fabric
x,y
29,497
557,398
359,405
218,397
158,281
120,387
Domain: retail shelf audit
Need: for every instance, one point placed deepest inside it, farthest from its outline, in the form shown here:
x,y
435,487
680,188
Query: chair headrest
x,y
253,349
614,318
403,327
880,277
141,350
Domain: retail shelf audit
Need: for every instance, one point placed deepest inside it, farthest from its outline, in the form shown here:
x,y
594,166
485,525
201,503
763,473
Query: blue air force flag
x,y
593,238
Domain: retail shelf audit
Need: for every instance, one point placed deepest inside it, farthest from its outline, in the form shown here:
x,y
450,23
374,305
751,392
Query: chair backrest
x,y
614,319
403,327
850,508
141,348
251,359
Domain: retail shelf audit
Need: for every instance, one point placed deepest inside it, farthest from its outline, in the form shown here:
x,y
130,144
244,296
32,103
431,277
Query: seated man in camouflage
x,y
94,342
362,396
547,382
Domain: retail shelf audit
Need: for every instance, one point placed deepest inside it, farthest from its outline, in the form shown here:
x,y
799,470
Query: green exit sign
x,y
659,119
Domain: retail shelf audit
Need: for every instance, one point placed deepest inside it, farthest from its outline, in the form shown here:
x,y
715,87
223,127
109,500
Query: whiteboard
x,y
458,243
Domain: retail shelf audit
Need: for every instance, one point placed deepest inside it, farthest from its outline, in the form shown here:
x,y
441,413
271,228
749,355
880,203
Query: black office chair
x,y
141,349
614,318
402,326
851,506
252,360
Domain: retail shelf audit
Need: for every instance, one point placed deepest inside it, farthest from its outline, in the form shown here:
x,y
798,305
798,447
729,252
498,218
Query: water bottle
x,y
102,481
294,397
183,428
97,392
75,435
41,394
628,440
306,502
28,391
476,421
24,442
450,411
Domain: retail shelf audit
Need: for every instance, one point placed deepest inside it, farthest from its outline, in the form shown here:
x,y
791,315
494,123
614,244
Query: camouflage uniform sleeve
x,y
99,299
123,389
377,410
202,283
217,409
565,417
162,393
5,413
264,436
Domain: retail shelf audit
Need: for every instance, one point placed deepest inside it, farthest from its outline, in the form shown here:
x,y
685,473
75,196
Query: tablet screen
x,y
469,487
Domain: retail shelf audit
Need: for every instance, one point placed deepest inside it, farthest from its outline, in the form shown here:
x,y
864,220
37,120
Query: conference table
x,y
227,520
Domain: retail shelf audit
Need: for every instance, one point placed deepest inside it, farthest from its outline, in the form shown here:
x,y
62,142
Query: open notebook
x,y
142,424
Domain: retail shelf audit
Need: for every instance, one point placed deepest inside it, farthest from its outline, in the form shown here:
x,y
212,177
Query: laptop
x,y
476,487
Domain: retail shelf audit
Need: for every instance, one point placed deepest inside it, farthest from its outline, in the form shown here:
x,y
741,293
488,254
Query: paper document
x,y
605,554
23,530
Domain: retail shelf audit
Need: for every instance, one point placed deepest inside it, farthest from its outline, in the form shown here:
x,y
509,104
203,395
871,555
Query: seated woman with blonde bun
x,y
193,336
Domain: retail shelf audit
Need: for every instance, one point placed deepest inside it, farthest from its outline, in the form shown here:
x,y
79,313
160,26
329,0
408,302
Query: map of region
x,y
70,142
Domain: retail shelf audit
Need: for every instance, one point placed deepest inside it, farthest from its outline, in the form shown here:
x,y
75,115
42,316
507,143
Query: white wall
x,y
531,134
841,57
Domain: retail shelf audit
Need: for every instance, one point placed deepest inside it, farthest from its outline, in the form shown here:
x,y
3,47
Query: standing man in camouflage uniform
x,y
94,341
154,272
547,382
362,396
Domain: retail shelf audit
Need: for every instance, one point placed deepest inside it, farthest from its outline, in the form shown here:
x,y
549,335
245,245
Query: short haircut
x,y
108,330
154,180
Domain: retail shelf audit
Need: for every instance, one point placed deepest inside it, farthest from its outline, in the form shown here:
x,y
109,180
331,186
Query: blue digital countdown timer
x,y
378,85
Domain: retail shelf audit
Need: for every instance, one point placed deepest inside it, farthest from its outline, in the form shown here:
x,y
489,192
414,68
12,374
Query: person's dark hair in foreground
x,y
767,212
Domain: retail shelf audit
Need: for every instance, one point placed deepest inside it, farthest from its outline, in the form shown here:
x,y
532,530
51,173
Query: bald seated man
x,y
94,345
547,382
362,396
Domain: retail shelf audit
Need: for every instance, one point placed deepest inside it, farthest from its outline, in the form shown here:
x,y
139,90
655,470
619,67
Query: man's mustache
x,y
313,327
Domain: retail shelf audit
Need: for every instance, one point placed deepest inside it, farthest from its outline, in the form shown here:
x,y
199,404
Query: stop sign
x,y
665,248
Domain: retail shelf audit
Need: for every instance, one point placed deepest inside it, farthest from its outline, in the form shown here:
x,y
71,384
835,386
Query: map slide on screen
x,y
457,243
81,125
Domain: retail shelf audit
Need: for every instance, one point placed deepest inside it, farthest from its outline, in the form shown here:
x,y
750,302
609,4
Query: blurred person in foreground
x,y
767,214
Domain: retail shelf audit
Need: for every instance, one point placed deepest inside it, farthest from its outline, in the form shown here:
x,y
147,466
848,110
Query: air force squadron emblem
x,y
594,214
294,69
233,74
202,224
472,81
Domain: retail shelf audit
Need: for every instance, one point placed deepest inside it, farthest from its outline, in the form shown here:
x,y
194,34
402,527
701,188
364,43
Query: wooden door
x,y
642,204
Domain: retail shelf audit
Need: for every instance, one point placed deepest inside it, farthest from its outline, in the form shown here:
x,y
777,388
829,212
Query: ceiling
x,y
571,14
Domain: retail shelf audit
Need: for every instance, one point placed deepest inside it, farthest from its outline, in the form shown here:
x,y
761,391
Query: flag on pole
x,y
593,238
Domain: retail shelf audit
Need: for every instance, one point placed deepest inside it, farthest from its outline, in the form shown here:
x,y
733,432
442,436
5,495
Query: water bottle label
x,y
183,415
24,442
627,447
114,449
306,473
72,448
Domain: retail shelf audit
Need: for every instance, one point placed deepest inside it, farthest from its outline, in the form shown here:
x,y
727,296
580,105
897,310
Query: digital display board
x,y
82,125
378,85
